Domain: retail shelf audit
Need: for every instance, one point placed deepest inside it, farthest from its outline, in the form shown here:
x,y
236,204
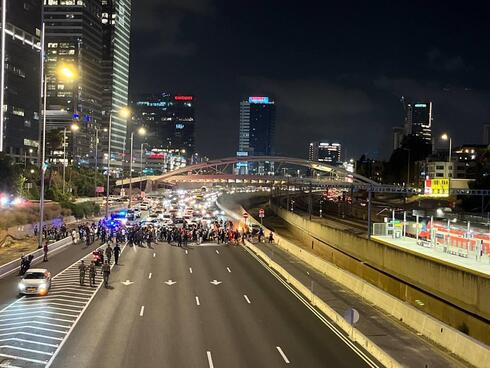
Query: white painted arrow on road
x,y
215,282
170,282
127,282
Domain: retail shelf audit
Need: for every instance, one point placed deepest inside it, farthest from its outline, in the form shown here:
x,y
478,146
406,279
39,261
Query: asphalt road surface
x,y
206,306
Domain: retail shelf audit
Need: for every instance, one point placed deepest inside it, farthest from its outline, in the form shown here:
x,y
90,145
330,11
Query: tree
x,y
9,175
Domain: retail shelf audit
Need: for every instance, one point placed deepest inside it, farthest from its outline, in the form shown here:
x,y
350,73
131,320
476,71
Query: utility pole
x,y
310,200
369,212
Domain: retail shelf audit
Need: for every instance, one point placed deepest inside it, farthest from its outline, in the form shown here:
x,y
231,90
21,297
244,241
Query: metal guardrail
x,y
14,265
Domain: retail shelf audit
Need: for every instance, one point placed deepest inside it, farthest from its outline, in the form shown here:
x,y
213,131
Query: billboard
x,y
437,187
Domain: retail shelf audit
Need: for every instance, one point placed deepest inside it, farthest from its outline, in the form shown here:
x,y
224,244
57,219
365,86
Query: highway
x,y
221,309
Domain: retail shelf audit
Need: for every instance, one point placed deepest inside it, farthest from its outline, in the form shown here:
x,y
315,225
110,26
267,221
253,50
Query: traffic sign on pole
x,y
261,213
245,215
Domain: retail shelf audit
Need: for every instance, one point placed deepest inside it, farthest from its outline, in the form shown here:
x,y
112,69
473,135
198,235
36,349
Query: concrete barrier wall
x,y
463,346
467,290
38,254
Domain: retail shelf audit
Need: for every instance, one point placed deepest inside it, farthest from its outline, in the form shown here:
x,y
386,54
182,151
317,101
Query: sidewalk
x,y
401,343
410,244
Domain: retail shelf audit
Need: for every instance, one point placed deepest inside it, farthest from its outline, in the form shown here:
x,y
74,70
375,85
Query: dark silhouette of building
x,y
21,79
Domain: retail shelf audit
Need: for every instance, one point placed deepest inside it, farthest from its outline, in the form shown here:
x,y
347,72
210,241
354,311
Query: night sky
x,y
337,69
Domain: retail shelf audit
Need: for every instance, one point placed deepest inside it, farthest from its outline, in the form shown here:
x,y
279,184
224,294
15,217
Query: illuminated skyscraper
x,y
74,37
169,119
116,26
325,152
418,120
257,126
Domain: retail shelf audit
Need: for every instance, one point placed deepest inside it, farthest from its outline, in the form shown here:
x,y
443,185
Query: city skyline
x,y
323,84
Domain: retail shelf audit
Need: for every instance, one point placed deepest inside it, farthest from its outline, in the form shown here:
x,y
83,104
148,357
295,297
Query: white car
x,y
36,281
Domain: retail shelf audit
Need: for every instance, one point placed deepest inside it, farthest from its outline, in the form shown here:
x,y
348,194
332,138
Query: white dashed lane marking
x,y
32,329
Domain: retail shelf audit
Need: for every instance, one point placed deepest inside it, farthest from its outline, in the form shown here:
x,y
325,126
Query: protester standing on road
x,y
117,252
82,268
261,234
45,251
271,237
106,271
91,273
108,253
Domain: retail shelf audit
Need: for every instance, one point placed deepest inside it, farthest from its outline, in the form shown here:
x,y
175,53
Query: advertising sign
x,y
437,187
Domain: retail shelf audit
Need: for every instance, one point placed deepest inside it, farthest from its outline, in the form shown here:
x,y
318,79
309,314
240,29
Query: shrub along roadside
x,y
82,210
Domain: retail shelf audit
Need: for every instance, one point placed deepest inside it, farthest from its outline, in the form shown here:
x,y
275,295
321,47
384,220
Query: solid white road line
x,y
142,310
25,349
149,276
29,342
186,252
190,269
197,301
53,357
228,269
282,354
247,299
210,359
154,255
320,316
32,334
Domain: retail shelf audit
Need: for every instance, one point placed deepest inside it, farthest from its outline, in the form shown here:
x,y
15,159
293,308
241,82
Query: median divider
x,y
461,345
38,254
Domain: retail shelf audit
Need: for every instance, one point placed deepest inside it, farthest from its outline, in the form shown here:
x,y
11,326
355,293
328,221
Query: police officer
x,y
91,273
117,252
82,268
106,271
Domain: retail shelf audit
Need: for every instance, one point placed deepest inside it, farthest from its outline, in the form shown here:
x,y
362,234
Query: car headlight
x,y
43,286
21,286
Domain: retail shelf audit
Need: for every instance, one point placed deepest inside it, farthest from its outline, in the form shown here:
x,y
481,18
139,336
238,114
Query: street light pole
x,y
43,167
108,167
446,137
142,168
131,170
64,157
96,158
450,150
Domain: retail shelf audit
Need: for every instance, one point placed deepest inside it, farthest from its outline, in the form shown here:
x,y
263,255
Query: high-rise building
x,y
169,119
20,81
418,120
398,134
116,27
486,134
257,126
74,37
329,153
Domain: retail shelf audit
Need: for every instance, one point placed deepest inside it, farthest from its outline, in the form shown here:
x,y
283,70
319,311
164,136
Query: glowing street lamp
x,y
67,72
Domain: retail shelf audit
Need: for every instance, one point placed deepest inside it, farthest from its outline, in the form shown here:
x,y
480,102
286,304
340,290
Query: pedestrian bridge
x,y
225,171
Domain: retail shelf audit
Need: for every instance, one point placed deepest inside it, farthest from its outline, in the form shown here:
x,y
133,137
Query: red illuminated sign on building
x,y
183,98
157,156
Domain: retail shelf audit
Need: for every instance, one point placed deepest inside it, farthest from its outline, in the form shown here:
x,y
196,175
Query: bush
x,y
29,214
82,210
